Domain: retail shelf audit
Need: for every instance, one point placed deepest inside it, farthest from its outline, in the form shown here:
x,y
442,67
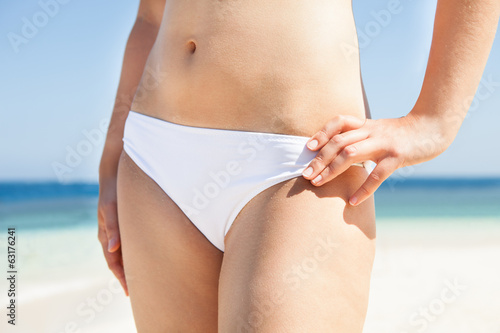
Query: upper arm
x,y
151,11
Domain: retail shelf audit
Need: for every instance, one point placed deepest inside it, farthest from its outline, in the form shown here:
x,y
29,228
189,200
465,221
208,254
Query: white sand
x,y
417,269
65,286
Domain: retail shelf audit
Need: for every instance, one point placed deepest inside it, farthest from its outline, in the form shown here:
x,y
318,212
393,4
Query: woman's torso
x,y
268,66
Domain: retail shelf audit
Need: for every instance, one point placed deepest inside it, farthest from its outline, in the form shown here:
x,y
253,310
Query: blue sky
x,y
58,85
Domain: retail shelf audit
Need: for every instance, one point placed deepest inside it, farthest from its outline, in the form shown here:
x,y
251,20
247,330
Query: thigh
x,y
299,259
172,270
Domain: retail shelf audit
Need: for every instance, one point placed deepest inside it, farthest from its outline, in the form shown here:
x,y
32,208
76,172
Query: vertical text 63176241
x,y
11,275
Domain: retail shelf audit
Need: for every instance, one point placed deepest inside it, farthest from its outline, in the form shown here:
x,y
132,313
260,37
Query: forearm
x,y
464,31
138,47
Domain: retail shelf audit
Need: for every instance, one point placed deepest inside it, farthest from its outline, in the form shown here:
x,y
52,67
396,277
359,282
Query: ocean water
x,y
38,206
56,224
49,217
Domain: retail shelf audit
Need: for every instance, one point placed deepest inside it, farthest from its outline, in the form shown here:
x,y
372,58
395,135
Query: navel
x,y
191,46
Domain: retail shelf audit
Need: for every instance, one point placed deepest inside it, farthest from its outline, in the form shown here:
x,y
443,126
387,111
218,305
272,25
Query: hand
x,y
109,233
391,143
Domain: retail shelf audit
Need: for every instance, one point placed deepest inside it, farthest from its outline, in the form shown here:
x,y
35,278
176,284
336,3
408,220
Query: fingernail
x,y
317,179
353,201
111,243
313,144
307,172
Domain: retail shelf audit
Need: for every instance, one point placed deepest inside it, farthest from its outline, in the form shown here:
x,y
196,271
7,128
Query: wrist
x,y
108,166
426,138
441,126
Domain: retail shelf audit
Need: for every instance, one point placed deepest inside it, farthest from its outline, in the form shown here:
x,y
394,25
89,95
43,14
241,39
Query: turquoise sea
x,y
38,206
50,216
54,208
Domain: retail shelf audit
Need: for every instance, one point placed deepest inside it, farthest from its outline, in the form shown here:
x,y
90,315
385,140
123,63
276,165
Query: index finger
x,y
333,127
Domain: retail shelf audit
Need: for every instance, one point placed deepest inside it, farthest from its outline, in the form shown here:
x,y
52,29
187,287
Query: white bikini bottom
x,y
211,174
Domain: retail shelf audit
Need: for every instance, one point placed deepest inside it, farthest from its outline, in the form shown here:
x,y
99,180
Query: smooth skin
x,y
315,254
277,274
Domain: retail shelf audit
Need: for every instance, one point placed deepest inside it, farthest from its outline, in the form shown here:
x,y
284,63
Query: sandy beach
x,y
441,276
429,275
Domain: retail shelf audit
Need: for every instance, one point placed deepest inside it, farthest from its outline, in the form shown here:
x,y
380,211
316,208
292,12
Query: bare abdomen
x,y
270,66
